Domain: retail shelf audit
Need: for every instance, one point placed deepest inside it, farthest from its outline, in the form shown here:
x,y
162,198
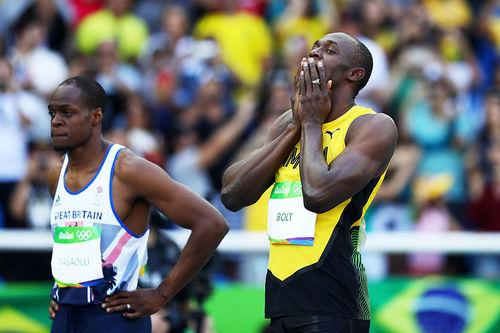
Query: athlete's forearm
x,y
200,246
244,182
315,174
324,186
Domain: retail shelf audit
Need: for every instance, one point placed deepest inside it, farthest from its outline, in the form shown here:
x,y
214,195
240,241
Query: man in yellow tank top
x,y
326,159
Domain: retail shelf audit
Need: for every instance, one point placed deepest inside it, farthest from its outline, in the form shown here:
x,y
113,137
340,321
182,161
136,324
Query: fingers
x,y
116,307
302,89
307,77
116,303
316,83
125,306
117,296
322,76
132,315
124,302
53,309
314,77
52,313
296,77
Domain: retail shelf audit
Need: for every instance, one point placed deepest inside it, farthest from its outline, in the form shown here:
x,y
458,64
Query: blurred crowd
x,y
195,84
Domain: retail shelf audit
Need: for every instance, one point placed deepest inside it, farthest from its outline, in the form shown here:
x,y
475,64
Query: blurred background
x,y
194,85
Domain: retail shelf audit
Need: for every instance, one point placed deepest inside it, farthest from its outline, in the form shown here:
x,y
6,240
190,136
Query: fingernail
x,y
305,64
311,60
103,306
301,72
320,64
108,310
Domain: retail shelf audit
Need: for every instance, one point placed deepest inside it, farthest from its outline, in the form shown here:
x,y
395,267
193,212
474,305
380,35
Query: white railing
x,y
256,242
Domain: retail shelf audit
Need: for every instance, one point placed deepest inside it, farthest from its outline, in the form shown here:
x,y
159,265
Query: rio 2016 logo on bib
x,y
83,235
75,234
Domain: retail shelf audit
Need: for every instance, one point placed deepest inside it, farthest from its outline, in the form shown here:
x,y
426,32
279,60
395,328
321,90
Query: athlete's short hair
x,y
362,58
91,92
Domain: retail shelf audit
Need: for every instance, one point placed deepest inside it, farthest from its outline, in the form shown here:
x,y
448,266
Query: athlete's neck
x,y
89,155
339,109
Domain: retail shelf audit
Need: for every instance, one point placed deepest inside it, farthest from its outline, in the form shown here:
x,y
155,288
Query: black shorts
x,y
318,324
94,319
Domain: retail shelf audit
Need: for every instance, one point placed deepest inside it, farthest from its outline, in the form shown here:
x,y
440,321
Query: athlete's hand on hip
x,y
134,304
315,92
53,309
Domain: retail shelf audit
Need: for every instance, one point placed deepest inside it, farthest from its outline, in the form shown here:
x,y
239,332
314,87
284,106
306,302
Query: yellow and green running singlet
x,y
326,277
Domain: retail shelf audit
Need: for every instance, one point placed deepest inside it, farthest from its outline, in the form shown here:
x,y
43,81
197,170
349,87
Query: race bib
x,y
288,222
76,256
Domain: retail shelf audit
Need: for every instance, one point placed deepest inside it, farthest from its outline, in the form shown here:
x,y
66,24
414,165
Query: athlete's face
x,y
336,50
71,122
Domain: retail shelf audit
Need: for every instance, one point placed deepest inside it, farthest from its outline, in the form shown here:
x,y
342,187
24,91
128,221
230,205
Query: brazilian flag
x,y
437,305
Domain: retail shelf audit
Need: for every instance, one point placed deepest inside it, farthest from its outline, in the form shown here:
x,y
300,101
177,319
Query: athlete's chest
x,y
333,144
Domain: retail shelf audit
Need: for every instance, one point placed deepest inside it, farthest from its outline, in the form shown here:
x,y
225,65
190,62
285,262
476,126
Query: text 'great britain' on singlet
x,y
94,253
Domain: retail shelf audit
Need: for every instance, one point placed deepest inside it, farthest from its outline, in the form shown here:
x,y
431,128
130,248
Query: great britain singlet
x,y
318,272
94,253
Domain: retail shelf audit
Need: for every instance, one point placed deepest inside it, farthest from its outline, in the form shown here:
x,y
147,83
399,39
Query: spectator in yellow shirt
x,y
304,18
449,13
244,39
114,22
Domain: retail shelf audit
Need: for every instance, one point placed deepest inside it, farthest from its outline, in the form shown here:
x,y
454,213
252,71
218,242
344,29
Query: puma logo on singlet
x,y
330,133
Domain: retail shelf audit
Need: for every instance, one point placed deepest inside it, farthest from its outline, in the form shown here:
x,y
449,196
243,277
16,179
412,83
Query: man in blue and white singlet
x,y
103,194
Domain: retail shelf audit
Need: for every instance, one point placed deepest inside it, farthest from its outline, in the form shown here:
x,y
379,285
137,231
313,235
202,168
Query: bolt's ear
x,y
356,74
